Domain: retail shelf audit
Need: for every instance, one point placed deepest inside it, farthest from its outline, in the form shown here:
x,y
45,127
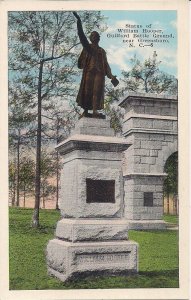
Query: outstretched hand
x,y
76,15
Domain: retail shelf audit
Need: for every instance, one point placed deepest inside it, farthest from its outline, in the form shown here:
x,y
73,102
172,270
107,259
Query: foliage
x,y
111,108
27,252
47,165
12,172
48,170
25,182
171,181
21,133
147,77
115,113
27,172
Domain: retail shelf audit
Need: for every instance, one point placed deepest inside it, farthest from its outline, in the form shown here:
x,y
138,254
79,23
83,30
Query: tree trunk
x,y
168,200
146,87
35,219
57,180
43,200
175,204
14,191
13,197
57,168
24,196
17,170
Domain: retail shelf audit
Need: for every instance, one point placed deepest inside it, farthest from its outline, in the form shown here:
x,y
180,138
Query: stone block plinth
x,y
92,236
78,230
67,260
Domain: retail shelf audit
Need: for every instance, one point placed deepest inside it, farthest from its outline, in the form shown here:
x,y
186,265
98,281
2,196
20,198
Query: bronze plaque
x,y
100,191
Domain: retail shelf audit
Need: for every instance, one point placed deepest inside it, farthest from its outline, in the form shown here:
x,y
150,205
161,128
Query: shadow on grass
x,y
146,279
153,279
173,272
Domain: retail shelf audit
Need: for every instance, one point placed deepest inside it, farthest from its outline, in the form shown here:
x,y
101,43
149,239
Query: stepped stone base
x,y
67,260
78,230
92,237
147,225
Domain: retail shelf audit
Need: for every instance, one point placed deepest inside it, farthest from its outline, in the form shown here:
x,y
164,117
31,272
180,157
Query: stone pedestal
x,y
150,125
92,236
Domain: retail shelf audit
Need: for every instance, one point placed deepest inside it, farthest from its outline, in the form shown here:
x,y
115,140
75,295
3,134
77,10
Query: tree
x,y
48,170
58,128
111,107
115,113
27,172
171,181
144,77
43,53
12,181
20,129
147,77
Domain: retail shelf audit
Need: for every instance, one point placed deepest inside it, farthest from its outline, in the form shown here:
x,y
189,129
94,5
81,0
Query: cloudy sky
x,y
119,53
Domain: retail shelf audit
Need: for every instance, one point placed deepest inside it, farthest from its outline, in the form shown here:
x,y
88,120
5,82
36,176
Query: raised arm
x,y
81,34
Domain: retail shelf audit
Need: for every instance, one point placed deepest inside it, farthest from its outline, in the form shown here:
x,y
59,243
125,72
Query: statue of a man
x,y
95,67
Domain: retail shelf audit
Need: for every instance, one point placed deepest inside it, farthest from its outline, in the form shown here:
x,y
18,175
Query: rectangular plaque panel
x,y
148,199
100,191
103,258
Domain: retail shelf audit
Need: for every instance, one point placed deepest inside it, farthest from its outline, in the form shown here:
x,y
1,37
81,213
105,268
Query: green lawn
x,y
158,257
171,219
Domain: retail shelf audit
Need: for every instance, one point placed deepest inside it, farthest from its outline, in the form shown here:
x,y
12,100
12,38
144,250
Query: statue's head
x,y
94,36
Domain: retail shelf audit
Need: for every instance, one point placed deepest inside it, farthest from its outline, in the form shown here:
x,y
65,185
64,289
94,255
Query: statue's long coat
x,y
83,63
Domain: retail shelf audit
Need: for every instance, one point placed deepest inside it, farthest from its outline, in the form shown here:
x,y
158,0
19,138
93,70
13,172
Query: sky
x,y
120,50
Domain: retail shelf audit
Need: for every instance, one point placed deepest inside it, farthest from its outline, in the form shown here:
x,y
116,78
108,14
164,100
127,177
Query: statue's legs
x,y
98,89
93,90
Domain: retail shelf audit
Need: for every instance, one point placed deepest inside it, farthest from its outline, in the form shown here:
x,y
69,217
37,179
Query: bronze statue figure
x,y
95,67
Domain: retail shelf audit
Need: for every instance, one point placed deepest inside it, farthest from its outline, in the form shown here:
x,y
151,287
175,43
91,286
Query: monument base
x,y
92,236
67,260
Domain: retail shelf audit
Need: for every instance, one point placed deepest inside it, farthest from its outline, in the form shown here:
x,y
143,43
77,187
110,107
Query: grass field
x,y
158,257
171,219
